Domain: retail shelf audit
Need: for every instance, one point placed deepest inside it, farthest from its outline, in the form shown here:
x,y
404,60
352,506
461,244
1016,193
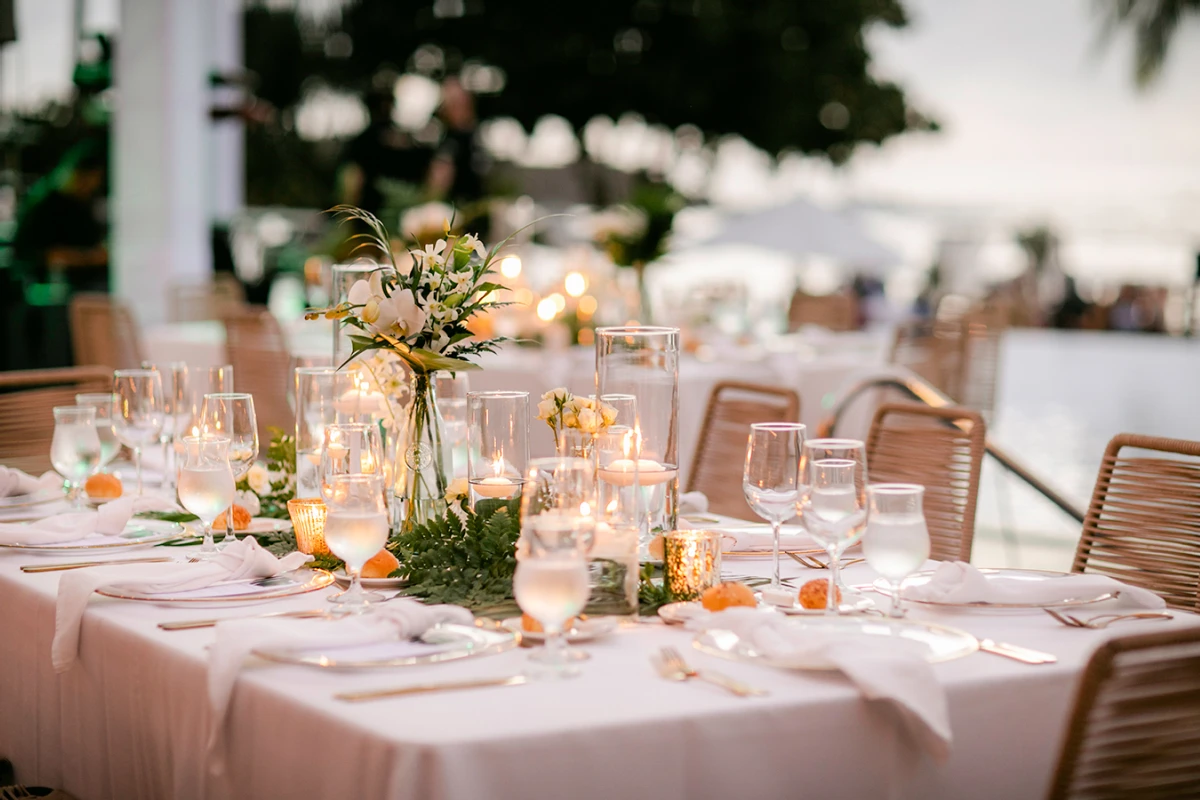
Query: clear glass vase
x,y
423,459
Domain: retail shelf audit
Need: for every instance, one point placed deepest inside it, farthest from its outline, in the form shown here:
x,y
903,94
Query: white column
x,y
227,188
160,152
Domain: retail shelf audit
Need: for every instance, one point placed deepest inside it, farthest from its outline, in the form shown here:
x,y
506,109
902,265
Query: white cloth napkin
x,y
693,503
14,482
395,620
890,669
798,539
959,582
243,560
108,519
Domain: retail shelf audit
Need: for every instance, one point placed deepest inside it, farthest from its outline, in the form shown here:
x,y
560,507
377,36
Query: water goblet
x,y
103,403
75,447
771,478
231,414
356,528
206,484
137,414
896,543
835,513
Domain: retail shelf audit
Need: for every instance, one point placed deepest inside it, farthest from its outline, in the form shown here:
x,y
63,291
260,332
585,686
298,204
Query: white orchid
x,y
431,259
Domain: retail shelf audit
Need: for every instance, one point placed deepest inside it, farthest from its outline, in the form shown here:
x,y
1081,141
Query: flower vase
x,y
574,443
423,457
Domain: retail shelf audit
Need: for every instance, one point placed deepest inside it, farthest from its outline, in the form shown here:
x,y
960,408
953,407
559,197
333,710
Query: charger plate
x,y
36,497
445,642
300,581
138,533
940,643
1031,575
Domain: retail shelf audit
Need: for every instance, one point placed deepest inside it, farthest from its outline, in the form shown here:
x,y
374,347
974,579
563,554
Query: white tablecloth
x,y
128,722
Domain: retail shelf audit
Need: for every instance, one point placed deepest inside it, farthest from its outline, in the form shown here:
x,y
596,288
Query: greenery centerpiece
x,y
419,308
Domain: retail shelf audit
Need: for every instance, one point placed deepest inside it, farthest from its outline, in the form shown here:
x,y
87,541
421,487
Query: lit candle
x,y
643,471
497,484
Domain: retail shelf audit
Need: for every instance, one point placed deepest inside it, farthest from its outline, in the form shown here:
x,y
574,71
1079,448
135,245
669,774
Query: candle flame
x,y
585,510
498,466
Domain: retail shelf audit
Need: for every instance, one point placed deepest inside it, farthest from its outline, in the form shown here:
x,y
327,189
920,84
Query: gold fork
x,y
670,665
1108,619
815,563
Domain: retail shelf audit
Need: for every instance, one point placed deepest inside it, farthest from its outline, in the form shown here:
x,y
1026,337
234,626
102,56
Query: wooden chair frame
x,y
27,398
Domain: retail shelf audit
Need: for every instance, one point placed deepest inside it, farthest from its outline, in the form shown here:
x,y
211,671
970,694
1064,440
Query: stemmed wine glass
x,y
356,528
350,448
201,382
137,414
896,543
175,399
551,581
103,403
75,448
834,500
206,485
771,479
231,414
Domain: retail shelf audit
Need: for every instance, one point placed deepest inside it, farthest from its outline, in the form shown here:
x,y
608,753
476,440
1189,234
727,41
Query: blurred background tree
x,y
1153,24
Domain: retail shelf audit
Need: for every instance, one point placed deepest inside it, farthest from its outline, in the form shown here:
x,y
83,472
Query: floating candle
x,y
644,471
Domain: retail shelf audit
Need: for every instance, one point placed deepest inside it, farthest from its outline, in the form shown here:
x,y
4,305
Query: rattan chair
x,y
837,312
27,398
221,297
1143,524
941,449
104,331
960,356
1135,729
256,347
721,451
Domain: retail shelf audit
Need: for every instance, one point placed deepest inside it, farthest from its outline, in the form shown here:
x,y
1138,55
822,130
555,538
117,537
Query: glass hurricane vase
x,y
423,457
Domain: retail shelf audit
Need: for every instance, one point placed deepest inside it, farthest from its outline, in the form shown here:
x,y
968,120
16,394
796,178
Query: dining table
x,y
131,718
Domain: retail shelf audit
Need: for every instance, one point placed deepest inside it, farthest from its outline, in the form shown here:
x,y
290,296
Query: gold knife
x,y
82,564
191,624
1023,654
425,688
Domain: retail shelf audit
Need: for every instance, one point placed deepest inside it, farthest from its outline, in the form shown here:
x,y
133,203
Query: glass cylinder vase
x,y
315,411
344,277
642,362
423,462
497,444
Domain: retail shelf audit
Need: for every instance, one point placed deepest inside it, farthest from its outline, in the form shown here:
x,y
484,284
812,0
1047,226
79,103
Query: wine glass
x,y
771,478
231,414
350,448
201,382
103,403
896,543
175,399
206,484
834,500
356,528
137,414
75,448
551,583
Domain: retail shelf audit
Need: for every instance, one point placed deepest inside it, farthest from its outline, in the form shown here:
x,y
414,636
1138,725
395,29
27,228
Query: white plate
x,y
291,583
137,534
445,642
1031,575
32,499
583,630
942,643
343,580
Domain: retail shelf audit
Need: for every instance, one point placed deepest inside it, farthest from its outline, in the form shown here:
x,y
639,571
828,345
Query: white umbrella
x,y
800,228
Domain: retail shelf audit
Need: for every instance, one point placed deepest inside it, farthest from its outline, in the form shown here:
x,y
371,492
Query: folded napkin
x,y
109,519
958,582
243,560
693,503
15,482
889,669
760,539
395,620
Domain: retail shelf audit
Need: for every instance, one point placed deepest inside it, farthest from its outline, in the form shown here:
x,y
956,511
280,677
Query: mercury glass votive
x,y
497,444
691,562
308,520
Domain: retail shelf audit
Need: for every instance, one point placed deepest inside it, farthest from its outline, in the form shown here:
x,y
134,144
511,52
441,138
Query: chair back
x,y
941,449
837,312
223,296
1135,729
27,400
1143,523
256,347
720,454
104,331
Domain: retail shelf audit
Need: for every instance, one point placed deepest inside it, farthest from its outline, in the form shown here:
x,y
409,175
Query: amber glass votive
x,y
691,562
308,520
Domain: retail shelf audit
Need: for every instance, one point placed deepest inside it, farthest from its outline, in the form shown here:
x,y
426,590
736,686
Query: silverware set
x,y
812,562
670,665
83,564
1102,621
1017,653
428,688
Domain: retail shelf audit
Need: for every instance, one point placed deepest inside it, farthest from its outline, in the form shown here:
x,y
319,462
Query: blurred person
x,y
62,232
455,172
381,152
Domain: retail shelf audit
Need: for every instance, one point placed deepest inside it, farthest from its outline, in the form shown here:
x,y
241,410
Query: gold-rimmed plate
x,y
137,534
36,497
581,630
445,642
935,642
1032,576
288,584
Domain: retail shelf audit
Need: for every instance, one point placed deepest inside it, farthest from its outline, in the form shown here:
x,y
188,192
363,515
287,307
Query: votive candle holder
x,y
308,520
